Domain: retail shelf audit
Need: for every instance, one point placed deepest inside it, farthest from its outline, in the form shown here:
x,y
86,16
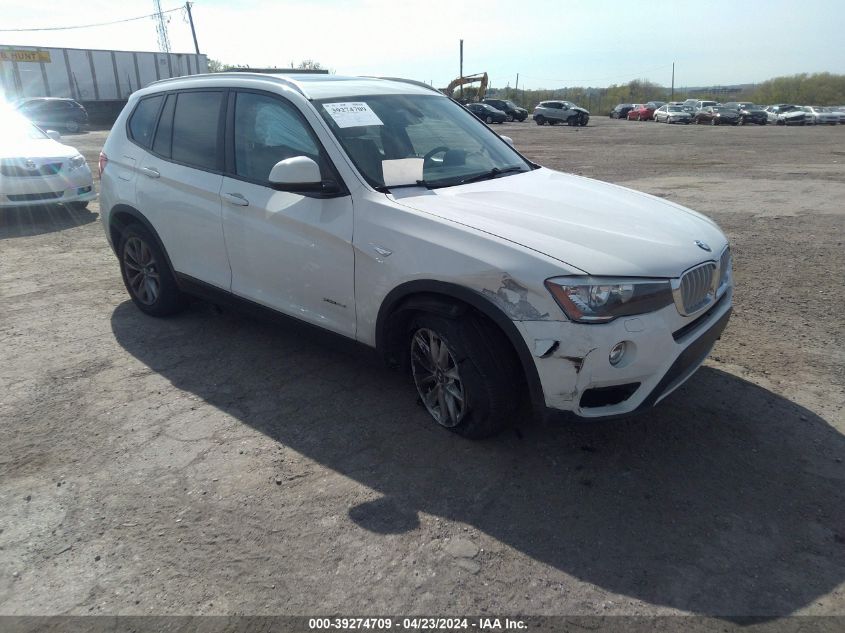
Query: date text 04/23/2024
x,y
416,624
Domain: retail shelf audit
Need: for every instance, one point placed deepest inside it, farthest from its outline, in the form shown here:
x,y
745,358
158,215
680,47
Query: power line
x,y
88,26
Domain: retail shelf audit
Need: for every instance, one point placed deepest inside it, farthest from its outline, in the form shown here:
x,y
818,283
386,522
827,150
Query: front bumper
x,y
664,350
67,186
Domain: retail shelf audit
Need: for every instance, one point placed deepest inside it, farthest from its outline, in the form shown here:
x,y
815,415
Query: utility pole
x,y
462,69
673,82
193,30
516,87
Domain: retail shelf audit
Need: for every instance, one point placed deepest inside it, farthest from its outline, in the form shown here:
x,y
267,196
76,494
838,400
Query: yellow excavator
x,y
468,79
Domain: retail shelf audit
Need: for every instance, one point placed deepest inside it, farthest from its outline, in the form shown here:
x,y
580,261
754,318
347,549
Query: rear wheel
x,y
146,274
509,118
465,374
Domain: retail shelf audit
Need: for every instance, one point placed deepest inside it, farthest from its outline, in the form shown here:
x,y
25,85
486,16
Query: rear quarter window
x,y
143,119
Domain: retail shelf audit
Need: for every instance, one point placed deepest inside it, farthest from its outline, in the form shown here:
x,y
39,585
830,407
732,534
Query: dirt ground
x,y
214,464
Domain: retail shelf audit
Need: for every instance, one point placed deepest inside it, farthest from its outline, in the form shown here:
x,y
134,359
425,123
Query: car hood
x,y
37,148
579,109
596,227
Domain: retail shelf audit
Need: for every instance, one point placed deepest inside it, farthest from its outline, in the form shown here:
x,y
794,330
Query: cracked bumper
x,y
664,350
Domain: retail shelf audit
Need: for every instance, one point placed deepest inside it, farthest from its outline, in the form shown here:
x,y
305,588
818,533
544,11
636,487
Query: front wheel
x,y
489,119
72,125
539,120
146,274
465,374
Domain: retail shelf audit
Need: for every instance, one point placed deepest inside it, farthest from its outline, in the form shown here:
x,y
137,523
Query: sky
x,y
551,44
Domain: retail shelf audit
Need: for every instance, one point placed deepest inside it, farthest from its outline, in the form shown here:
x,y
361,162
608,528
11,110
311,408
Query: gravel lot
x,y
213,464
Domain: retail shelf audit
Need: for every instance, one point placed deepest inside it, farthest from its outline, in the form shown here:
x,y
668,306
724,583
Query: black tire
x,y
72,125
764,122
539,120
489,119
509,118
168,300
489,373
713,121
583,120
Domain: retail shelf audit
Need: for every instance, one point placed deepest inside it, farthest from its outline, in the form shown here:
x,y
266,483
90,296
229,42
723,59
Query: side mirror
x,y
508,140
299,173
53,135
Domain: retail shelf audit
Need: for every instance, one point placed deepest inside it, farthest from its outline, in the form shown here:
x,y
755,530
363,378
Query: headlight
x,y
599,300
76,162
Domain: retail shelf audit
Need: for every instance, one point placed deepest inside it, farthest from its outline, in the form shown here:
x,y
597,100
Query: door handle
x,y
236,199
152,172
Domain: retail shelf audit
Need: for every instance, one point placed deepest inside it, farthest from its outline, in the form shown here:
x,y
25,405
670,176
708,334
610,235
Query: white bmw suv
x,y
383,211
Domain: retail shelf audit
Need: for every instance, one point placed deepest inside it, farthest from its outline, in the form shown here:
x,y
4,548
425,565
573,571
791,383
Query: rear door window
x,y
196,129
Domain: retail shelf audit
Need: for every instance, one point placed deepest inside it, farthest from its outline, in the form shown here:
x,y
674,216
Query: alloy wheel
x,y
141,270
437,377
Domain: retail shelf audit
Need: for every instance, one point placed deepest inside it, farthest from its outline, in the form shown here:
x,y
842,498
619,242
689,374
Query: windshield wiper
x,y
387,188
493,173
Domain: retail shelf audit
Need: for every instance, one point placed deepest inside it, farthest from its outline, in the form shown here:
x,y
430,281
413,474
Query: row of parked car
x,y
497,111
731,113
546,112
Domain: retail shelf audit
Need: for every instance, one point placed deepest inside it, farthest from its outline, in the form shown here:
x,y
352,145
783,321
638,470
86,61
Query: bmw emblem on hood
x,y
702,245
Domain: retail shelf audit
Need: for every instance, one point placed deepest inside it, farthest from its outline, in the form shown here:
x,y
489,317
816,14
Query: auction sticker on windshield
x,y
352,114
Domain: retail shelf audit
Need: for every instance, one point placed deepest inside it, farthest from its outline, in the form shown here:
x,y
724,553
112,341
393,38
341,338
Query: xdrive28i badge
x,y
702,245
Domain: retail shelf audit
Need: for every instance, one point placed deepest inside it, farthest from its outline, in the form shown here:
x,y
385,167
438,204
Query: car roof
x,y
311,86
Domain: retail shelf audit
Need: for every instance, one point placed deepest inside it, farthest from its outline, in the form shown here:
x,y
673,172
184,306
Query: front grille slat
x,y
724,266
697,287
11,170
29,197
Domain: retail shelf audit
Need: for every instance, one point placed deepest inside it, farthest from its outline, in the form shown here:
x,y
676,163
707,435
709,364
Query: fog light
x,y
617,352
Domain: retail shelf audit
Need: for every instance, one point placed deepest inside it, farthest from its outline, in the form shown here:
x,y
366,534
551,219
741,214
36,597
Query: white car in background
x,y
36,169
383,211
672,114
817,115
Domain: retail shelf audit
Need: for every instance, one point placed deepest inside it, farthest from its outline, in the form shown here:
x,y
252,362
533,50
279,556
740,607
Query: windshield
x,y
15,129
511,104
676,109
402,140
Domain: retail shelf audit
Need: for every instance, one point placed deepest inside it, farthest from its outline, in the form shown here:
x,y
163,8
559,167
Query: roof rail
x,y
240,75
